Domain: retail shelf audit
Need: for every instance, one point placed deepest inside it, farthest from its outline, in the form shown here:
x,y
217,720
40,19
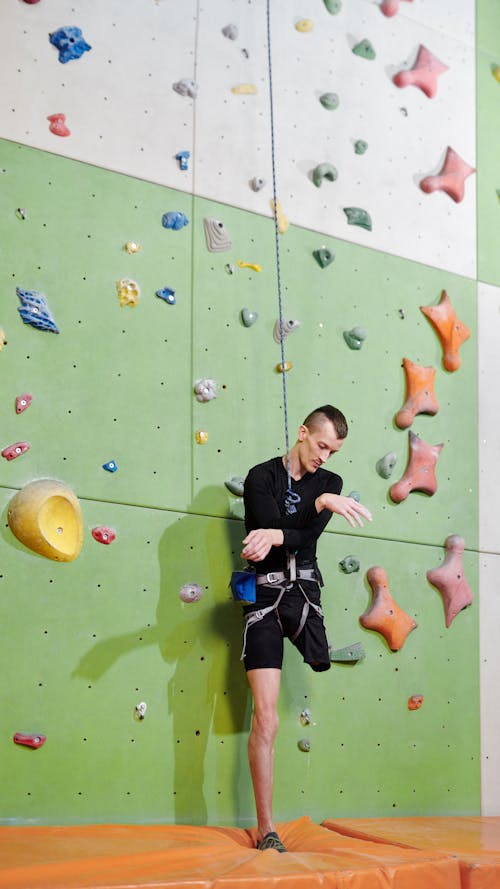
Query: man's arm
x,y
350,509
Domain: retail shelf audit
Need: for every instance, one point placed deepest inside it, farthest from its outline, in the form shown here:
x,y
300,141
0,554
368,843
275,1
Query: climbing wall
x,y
90,640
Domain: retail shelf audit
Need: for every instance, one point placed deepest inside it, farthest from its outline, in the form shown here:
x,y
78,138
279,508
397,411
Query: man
x,y
283,527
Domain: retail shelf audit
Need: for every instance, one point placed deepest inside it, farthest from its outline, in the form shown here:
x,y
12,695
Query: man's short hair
x,y
327,412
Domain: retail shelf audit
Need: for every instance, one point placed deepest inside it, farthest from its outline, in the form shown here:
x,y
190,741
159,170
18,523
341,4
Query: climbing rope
x,y
291,497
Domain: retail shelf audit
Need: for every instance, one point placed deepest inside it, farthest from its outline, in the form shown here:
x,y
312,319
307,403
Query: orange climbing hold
x,y
384,615
450,580
450,330
420,397
420,471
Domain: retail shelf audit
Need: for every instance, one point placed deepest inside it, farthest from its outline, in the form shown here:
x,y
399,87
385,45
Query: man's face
x,y
316,445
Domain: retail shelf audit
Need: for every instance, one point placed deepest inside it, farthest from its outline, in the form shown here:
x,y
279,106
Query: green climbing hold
x,y
333,6
364,49
386,464
360,146
330,101
349,654
355,337
358,216
323,256
324,171
349,564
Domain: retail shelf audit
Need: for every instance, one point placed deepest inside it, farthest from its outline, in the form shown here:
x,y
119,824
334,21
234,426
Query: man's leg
x,y
265,686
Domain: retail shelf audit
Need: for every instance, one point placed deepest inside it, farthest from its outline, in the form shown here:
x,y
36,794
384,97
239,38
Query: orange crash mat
x,y
473,841
141,857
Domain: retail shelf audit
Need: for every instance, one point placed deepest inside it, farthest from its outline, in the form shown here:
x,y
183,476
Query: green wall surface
x,y
84,642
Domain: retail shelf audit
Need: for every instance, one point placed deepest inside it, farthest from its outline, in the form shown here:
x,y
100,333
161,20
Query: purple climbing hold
x,y
70,43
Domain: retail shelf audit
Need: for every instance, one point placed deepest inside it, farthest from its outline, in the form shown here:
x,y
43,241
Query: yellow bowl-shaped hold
x,y
201,436
304,25
288,366
46,517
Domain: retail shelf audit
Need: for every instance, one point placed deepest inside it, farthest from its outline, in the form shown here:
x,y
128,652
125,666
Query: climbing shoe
x,y
271,841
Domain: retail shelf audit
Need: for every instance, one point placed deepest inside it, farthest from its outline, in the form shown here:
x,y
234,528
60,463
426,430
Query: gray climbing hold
x,y
364,49
257,183
304,744
216,235
330,101
333,6
248,317
355,337
324,171
230,31
358,216
348,654
386,464
305,717
205,390
355,495
235,485
360,146
288,327
186,87
323,256
190,592
349,564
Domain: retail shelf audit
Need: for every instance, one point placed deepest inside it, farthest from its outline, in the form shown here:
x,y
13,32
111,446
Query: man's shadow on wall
x,y
207,691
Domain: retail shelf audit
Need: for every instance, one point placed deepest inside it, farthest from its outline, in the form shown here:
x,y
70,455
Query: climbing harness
x,y
283,581
291,497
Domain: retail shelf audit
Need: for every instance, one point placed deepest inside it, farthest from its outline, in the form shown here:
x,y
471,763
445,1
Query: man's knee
x,y
265,723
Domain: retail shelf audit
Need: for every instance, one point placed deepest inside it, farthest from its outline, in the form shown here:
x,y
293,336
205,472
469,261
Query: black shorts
x,y
264,639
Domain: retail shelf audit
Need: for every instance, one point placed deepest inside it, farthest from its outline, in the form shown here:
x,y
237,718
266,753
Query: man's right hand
x,y
259,542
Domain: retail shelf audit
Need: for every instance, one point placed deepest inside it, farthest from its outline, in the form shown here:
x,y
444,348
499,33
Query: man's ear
x,y
302,432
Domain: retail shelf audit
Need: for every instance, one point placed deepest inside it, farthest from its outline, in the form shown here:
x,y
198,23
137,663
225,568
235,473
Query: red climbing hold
x,y
57,125
424,73
103,534
34,741
451,178
390,7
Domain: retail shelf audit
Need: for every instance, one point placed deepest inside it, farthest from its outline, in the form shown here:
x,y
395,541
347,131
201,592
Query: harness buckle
x,y
274,576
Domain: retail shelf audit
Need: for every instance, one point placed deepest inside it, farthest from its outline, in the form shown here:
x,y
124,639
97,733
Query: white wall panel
x,y
489,424
489,572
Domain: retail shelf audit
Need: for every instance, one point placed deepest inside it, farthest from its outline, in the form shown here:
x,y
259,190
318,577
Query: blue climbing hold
x,y
70,43
168,294
174,219
35,311
183,157
110,466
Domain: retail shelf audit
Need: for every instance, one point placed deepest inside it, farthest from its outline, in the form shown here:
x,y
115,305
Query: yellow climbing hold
x,y
132,247
288,366
128,292
304,25
244,89
496,73
280,216
3,341
249,265
201,436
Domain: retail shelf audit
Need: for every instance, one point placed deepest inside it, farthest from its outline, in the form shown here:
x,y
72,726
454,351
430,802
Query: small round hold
x,y
415,702
349,564
360,146
305,717
386,464
355,337
304,26
132,247
248,317
230,31
257,183
235,485
201,436
324,171
288,366
330,101
355,495
140,710
190,592
110,466
304,745
205,390
323,256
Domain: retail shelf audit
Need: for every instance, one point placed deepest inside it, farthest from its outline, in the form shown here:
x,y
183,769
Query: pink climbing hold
x,y
23,402
424,73
390,7
57,125
34,741
451,178
103,534
449,579
420,472
15,450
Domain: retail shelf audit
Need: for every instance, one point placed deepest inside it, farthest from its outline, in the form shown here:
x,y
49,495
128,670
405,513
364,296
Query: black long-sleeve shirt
x,y
264,496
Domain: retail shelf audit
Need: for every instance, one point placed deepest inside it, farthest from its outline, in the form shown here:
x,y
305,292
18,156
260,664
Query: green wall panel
x,y
488,123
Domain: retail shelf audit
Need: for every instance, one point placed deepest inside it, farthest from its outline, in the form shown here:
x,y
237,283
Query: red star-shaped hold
x,y
419,474
424,73
420,397
450,330
449,579
451,178
390,7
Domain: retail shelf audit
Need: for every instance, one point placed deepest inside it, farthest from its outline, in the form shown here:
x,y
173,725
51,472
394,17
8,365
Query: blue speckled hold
x,y
35,311
168,294
110,466
70,43
174,219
